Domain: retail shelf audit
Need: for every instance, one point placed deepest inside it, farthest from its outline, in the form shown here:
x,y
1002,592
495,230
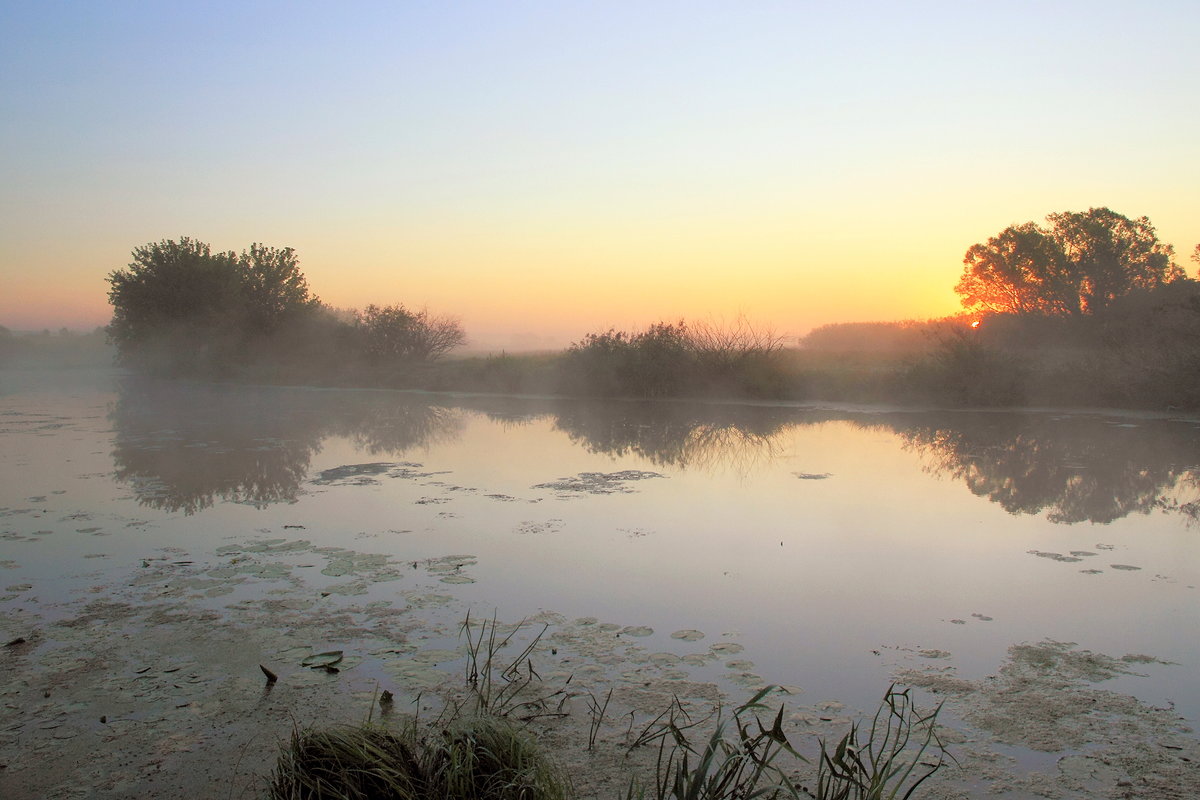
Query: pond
x,y
825,550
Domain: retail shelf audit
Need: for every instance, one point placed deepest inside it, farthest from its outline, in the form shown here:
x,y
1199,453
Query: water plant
x,y
739,759
890,760
743,759
505,689
596,711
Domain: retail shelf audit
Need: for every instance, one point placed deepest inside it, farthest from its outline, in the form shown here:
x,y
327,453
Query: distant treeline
x,y
62,348
1141,351
1089,309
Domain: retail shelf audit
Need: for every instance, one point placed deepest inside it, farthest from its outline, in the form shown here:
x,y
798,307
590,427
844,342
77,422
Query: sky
x,y
541,170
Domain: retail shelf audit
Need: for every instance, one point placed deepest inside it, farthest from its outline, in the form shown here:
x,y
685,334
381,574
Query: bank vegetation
x,y
1089,309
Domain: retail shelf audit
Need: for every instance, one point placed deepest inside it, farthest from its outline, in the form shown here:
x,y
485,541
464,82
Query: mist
x,y
333,498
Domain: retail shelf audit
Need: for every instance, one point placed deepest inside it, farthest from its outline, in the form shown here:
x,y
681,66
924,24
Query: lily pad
x,y
326,659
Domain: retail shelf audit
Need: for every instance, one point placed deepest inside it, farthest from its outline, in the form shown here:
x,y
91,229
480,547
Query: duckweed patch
x,y
1045,698
598,483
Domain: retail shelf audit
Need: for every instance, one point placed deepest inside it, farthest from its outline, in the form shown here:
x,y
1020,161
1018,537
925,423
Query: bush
x,y
675,359
393,334
963,371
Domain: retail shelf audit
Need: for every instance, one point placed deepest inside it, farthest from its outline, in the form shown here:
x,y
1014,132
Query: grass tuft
x,y
349,763
478,758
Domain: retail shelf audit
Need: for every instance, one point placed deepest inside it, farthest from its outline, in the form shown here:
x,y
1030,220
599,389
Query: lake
x,y
168,527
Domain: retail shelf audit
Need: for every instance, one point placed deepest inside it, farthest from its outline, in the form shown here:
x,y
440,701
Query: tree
x,y
180,307
434,336
392,334
1078,264
273,287
171,299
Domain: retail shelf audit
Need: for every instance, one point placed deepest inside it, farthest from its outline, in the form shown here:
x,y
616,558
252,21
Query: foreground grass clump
x,y
481,746
348,762
481,758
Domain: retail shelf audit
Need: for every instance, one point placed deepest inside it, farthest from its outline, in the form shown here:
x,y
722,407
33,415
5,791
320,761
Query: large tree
x,y
171,297
1077,264
181,307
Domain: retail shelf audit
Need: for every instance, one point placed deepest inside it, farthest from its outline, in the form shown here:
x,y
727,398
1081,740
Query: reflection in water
x,y
1076,468
391,424
181,447
705,437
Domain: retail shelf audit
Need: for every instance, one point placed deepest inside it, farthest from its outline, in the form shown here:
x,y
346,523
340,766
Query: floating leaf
x,y
326,659
688,635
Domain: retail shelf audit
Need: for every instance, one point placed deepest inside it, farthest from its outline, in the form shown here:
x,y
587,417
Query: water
x,y
833,545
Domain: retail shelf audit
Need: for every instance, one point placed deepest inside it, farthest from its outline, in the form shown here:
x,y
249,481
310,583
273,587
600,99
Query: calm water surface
x,y
831,544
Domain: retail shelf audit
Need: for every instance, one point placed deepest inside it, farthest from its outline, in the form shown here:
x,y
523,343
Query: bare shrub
x,y
393,333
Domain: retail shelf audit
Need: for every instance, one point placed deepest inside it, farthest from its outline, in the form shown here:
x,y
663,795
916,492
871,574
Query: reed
x,y
890,760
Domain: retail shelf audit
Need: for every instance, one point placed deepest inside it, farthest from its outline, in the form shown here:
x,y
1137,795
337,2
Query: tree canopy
x,y
181,308
1077,264
273,287
180,303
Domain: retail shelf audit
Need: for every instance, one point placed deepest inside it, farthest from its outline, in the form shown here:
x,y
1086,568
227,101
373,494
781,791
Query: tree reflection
x,y
390,424
706,437
182,447
1075,469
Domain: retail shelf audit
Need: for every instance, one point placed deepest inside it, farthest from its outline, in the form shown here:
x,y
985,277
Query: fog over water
x,y
815,536
823,549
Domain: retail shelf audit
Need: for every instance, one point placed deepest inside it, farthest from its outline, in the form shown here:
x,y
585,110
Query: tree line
x,y
1089,308
179,308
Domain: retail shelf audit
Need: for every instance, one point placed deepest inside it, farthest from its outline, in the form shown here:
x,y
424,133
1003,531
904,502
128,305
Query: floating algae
x,y
598,483
1053,556
1044,699
357,474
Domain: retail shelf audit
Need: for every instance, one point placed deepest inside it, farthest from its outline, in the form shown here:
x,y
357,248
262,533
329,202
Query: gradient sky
x,y
541,170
